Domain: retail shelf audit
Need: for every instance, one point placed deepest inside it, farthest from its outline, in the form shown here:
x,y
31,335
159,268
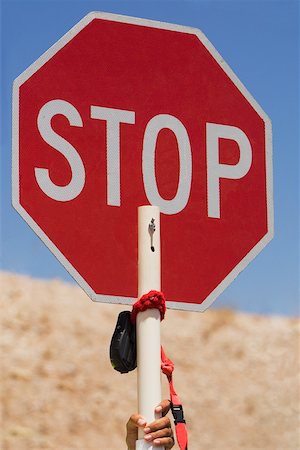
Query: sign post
x,y
148,322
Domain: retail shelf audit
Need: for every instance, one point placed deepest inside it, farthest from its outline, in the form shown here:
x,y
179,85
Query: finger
x,y
163,407
135,421
163,422
167,443
165,432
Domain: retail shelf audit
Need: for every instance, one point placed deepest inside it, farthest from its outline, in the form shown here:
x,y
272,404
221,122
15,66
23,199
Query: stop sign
x,y
123,112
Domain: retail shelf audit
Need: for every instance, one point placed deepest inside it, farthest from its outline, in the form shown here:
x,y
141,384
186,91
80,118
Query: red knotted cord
x,y
154,299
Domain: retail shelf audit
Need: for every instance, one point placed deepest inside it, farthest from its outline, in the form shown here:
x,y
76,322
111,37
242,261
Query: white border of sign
x,y
15,159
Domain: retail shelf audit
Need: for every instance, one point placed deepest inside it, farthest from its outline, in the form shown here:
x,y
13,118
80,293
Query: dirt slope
x,y
237,374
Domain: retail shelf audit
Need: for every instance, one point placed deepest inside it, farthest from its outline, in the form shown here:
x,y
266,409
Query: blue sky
x,y
260,42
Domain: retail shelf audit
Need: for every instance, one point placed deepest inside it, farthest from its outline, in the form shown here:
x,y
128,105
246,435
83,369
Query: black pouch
x,y
123,344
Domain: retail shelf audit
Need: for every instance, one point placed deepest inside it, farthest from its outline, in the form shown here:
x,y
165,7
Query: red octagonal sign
x,y
123,112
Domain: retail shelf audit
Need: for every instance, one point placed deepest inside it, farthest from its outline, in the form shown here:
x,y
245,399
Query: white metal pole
x,y
148,322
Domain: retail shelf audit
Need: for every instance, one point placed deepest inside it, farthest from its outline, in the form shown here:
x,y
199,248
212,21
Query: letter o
x,y
154,126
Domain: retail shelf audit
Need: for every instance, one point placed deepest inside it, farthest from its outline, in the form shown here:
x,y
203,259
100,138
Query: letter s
x,y
75,186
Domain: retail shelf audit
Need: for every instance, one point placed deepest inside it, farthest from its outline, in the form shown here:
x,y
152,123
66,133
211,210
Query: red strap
x,y
167,367
181,435
155,299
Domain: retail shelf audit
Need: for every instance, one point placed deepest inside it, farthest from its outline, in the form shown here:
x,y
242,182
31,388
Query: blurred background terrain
x,y
237,373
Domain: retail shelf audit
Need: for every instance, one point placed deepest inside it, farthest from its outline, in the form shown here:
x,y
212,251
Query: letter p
x,y
215,170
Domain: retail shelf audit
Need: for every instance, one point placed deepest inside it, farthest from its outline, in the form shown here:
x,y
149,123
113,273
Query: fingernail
x,y
158,408
148,437
147,430
141,422
156,441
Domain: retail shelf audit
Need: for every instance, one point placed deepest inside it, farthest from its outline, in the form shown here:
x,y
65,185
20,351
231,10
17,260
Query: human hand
x,y
158,432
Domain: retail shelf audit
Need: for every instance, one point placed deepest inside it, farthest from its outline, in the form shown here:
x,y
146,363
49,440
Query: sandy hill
x,y
237,374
